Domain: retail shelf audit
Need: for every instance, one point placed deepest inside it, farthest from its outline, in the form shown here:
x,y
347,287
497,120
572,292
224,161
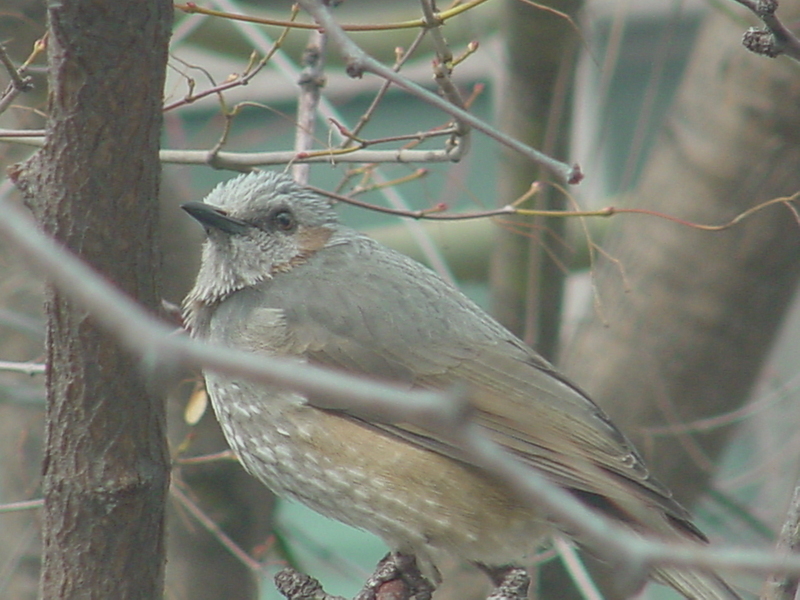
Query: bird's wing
x,y
395,321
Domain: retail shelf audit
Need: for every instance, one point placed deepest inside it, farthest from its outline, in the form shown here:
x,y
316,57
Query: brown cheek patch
x,y
312,239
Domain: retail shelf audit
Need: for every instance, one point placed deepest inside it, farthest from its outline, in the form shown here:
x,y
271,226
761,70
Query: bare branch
x,y
29,368
312,79
212,527
23,505
19,81
785,587
402,58
359,62
191,8
244,161
576,569
773,40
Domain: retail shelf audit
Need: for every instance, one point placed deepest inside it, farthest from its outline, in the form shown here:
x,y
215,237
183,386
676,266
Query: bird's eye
x,y
283,220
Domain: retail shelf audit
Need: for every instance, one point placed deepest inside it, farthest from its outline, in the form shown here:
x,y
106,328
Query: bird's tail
x,y
696,586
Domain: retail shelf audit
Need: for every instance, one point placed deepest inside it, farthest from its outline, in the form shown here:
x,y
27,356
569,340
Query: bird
x,y
281,276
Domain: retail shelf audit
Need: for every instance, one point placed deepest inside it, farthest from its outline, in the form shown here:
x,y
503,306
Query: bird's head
x,y
257,225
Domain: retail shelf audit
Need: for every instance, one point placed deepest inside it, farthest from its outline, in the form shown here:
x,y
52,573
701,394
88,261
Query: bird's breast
x,y
416,500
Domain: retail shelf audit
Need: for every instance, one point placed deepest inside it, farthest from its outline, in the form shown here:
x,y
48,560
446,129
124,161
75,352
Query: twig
x,y
784,587
216,89
401,59
417,137
435,214
442,69
418,174
211,526
19,81
252,69
22,505
312,79
238,161
226,455
576,569
242,161
433,23
192,8
775,38
13,135
29,368
18,78
359,62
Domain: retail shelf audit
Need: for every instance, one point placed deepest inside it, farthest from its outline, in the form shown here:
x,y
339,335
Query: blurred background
x,y
687,337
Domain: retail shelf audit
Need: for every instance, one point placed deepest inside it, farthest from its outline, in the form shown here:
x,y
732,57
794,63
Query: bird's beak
x,y
211,217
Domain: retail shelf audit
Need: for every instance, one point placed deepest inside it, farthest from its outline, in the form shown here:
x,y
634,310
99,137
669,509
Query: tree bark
x,y
94,186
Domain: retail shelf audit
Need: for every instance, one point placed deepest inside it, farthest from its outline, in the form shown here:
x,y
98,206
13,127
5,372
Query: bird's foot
x,y
397,577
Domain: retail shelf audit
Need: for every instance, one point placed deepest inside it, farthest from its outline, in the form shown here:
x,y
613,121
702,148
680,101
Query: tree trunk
x,y
686,317
527,274
94,186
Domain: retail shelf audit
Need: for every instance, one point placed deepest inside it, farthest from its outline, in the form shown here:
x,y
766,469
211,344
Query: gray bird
x,y
281,276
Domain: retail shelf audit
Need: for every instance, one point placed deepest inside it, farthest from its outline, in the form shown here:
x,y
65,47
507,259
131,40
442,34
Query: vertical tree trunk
x,y
686,317
683,334
94,186
526,273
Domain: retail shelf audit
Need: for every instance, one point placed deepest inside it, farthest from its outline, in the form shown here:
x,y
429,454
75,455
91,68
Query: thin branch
x,y
18,78
217,89
442,69
244,161
402,58
577,569
775,38
443,65
28,368
20,82
212,527
312,79
433,23
22,505
358,62
192,8
224,455
430,214
417,137
15,135
369,187
238,161
784,587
